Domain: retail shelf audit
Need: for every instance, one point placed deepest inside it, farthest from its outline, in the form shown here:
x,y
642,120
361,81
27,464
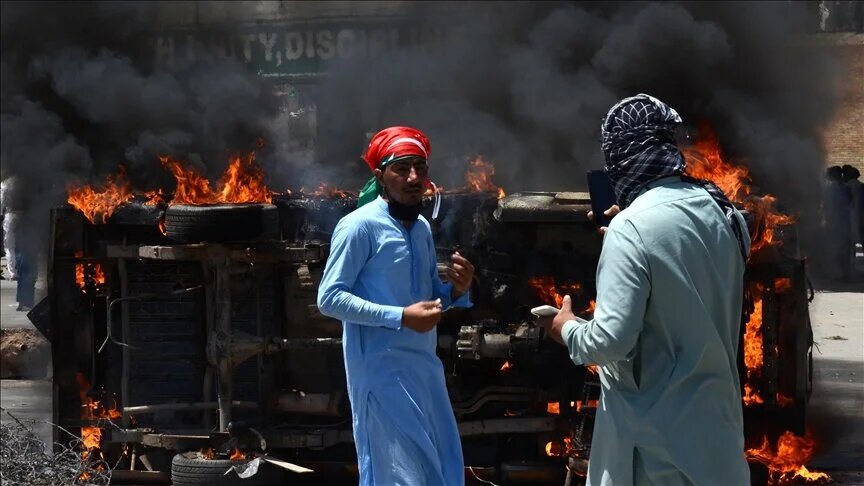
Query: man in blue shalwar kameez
x,y
381,280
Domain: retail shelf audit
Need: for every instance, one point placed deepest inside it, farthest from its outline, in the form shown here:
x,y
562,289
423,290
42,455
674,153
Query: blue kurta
x,y
665,334
404,428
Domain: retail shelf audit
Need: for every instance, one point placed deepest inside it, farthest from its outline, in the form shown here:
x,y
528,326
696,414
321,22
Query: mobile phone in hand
x,y
545,311
602,196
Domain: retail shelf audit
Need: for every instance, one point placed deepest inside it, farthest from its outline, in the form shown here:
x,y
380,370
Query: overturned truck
x,y
186,339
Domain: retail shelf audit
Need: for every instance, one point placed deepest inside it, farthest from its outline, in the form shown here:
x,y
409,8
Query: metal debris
x,y
24,460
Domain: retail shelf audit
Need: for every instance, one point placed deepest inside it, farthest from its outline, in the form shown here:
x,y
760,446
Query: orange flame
x,y
553,449
705,161
787,463
591,306
592,369
547,290
753,352
751,396
478,178
555,407
753,339
208,453
161,226
242,182
153,197
326,190
98,204
91,436
89,275
506,366
782,285
237,455
557,449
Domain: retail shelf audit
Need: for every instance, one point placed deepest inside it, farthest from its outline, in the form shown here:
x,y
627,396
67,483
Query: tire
x,y
188,223
189,469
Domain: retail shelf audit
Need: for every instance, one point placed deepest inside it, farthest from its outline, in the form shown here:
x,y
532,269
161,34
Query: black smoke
x,y
524,84
527,85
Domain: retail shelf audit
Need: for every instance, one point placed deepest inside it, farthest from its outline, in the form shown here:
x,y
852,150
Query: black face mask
x,y
404,212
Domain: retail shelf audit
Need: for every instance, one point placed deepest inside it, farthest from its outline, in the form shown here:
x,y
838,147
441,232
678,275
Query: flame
x,y
478,178
553,449
782,285
237,455
555,407
591,306
241,183
705,161
751,396
787,463
207,454
89,275
161,226
91,410
557,449
326,190
753,339
98,204
753,352
153,197
506,366
592,369
547,290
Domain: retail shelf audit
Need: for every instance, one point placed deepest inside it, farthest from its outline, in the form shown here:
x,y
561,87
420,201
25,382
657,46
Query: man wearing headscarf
x,y
381,280
666,325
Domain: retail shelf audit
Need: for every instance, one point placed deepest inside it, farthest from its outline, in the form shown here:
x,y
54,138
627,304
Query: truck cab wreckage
x,y
186,339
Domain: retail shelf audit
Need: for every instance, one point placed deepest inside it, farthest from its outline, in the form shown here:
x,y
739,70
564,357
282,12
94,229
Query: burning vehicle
x,y
186,337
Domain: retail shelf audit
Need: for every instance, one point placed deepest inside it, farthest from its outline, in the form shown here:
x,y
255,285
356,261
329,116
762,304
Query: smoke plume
x,y
524,84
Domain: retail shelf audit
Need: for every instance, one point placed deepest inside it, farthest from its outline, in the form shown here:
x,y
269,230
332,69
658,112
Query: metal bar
x,y
503,426
222,343
209,291
162,407
769,343
124,323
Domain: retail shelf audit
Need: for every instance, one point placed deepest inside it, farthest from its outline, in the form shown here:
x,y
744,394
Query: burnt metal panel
x,y
166,365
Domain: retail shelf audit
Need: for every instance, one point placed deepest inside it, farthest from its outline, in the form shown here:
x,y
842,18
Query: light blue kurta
x,y
665,334
404,428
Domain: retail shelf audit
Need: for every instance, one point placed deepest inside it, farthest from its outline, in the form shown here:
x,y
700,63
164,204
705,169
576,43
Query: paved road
x,y
836,415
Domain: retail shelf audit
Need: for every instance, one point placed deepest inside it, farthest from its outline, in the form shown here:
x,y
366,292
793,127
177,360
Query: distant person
x,y
837,213
670,289
9,223
856,193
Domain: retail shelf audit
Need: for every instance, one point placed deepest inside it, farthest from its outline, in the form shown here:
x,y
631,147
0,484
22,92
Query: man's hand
x,y
422,316
460,273
553,325
612,211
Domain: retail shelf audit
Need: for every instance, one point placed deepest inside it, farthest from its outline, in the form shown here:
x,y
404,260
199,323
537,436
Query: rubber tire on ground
x,y
188,223
189,469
